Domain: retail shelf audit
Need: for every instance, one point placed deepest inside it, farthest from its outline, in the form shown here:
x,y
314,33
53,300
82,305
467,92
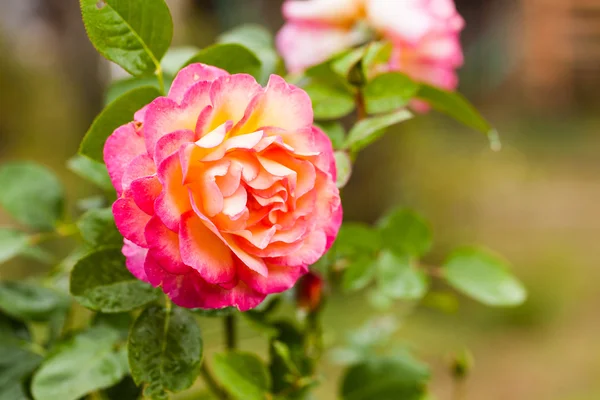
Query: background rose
x,y
226,190
424,34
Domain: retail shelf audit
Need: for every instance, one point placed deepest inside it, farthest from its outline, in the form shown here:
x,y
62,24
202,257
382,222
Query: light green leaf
x,y
165,350
26,301
329,102
343,165
484,276
117,113
359,273
335,131
368,130
406,233
356,238
376,53
176,58
456,106
12,242
244,375
388,92
16,364
398,278
232,57
344,64
132,33
119,87
89,361
90,170
31,194
97,227
385,378
100,281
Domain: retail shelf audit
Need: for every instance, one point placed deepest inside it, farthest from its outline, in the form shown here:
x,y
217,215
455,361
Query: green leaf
x,y
344,64
132,33
90,170
484,276
12,243
232,57
388,92
376,53
100,281
16,364
406,233
31,194
97,227
27,301
89,361
119,87
456,106
214,313
259,40
359,273
368,130
356,238
13,329
398,278
386,378
335,131
124,390
244,375
176,58
119,322
343,165
165,350
258,321
329,102
117,113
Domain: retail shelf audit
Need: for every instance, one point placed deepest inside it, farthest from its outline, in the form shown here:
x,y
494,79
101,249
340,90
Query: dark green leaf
x,y
101,282
388,92
232,57
329,102
343,165
117,113
165,350
359,273
16,363
119,322
356,238
132,33
368,130
456,106
12,329
91,170
398,278
244,375
87,362
406,233
483,276
26,301
214,313
12,242
126,389
97,227
31,194
397,378
335,131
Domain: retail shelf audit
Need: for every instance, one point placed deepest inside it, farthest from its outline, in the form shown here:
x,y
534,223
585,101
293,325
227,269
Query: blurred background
x,y
531,66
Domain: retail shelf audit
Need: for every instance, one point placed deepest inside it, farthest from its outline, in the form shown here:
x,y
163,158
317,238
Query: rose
x,y
424,34
226,189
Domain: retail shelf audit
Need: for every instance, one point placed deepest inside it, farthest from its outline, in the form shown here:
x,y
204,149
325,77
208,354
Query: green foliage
x,y
406,233
90,170
368,130
16,364
100,281
359,273
176,58
132,33
388,92
376,53
329,102
117,113
97,227
242,374
89,361
165,350
12,243
232,57
31,194
399,278
344,168
28,301
483,276
385,378
119,87
456,106
357,238
335,131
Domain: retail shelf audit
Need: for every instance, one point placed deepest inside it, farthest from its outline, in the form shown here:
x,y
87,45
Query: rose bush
x,y
424,34
226,189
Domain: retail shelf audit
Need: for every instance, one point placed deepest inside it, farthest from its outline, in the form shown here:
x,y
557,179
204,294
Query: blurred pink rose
x,y
424,34
226,189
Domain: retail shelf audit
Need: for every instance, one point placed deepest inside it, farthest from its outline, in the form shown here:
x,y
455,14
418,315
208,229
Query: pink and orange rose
x,y
226,190
424,34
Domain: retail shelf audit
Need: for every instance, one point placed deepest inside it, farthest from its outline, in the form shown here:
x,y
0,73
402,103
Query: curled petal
x,y
130,220
120,149
135,259
280,278
191,75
